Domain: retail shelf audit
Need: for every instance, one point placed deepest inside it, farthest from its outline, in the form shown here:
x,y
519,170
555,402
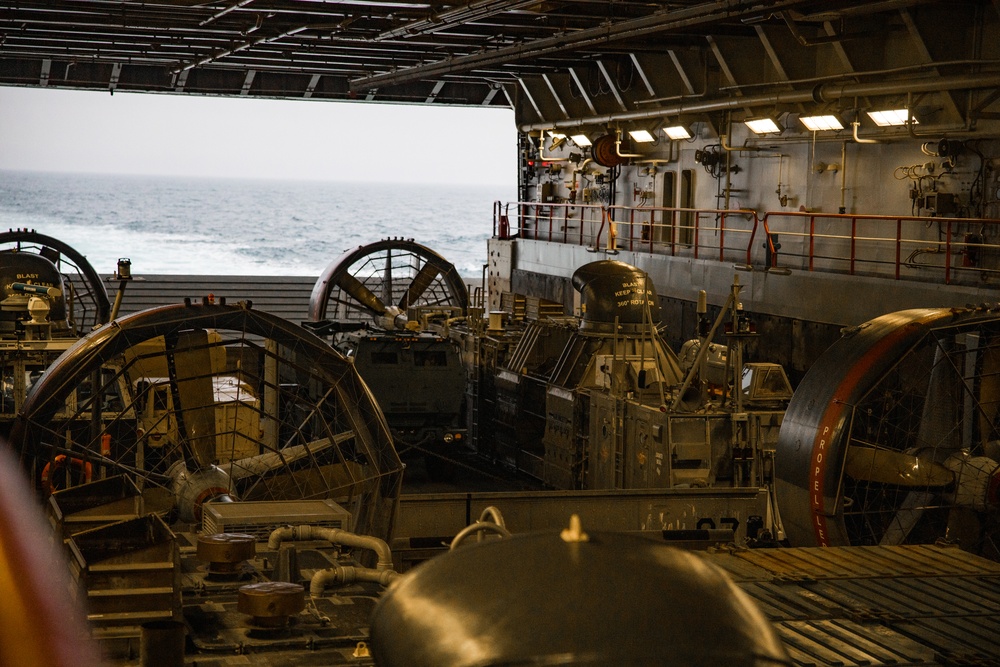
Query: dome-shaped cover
x,y
29,269
535,599
611,289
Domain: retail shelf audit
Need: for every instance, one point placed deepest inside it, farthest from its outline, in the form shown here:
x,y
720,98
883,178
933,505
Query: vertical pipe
x,y
812,241
947,253
843,177
899,243
631,229
854,242
697,233
673,232
722,237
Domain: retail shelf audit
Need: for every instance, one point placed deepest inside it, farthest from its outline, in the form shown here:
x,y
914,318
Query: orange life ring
x,y
78,467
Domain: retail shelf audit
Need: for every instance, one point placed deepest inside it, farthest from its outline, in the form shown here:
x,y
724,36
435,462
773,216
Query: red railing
x,y
671,231
886,245
878,245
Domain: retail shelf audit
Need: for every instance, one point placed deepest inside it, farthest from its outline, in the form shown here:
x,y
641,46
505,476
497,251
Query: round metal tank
x,y
537,599
611,290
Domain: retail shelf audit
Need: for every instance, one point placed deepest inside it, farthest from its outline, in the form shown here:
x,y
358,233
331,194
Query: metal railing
x,y
701,233
928,249
886,245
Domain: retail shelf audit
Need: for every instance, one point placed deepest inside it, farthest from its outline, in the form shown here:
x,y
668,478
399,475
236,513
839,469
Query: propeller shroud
x,y
892,435
257,408
382,280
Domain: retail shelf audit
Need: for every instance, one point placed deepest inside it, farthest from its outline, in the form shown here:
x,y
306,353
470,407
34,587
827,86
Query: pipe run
x,y
827,92
857,139
347,574
334,536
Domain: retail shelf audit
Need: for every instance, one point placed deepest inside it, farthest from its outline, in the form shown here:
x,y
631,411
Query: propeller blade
x,y
886,466
269,461
939,418
194,396
360,293
387,277
909,513
424,278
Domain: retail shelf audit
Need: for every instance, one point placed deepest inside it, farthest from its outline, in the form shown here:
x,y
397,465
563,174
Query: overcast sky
x,y
136,133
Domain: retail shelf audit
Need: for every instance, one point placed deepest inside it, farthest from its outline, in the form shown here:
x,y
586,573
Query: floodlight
x,y
819,123
581,140
763,126
677,132
641,136
891,117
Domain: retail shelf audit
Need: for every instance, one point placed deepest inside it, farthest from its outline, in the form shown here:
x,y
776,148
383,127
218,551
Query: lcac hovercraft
x,y
50,295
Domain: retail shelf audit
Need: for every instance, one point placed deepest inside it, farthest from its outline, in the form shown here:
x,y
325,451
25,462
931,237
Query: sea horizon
x,y
221,225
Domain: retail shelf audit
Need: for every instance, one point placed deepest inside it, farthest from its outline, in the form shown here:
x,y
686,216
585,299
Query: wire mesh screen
x,y
200,401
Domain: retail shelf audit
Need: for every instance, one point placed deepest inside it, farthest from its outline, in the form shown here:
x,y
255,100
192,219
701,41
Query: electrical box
x,y
259,518
941,203
545,192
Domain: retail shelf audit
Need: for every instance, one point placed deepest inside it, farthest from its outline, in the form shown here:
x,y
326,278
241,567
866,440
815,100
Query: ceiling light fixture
x,y
581,140
820,123
763,126
891,117
641,136
677,132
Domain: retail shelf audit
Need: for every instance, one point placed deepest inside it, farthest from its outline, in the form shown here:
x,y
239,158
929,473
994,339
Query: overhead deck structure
x,y
556,63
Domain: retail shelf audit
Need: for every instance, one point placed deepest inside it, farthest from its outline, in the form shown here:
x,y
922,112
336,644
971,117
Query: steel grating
x,y
907,605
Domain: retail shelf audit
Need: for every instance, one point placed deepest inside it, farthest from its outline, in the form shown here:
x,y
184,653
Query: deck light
x,y
641,136
763,126
677,132
819,123
891,117
581,140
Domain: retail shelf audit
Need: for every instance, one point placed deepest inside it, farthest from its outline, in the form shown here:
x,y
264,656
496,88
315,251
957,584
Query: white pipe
x,y
541,151
858,139
618,145
843,177
478,527
334,536
493,513
346,574
728,149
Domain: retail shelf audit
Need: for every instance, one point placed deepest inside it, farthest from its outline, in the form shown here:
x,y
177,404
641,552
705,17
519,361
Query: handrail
x,y
869,245
891,246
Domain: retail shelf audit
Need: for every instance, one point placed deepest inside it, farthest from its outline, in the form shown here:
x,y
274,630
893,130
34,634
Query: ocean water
x,y
207,226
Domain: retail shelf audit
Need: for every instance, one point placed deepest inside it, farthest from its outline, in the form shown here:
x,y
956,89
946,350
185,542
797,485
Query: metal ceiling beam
x,y
612,86
661,21
555,95
682,74
472,12
772,55
434,92
583,91
220,14
531,99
